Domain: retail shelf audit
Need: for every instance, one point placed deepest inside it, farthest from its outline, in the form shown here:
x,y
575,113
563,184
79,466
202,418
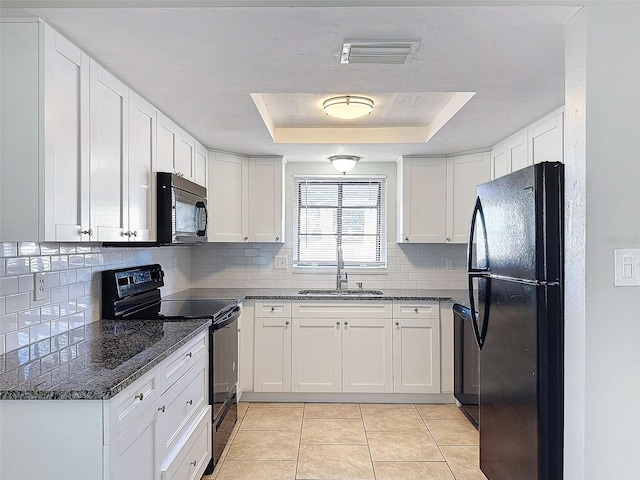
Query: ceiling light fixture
x,y
344,163
348,107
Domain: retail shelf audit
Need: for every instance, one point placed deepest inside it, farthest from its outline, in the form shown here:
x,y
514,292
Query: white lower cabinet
x,y
157,428
272,370
341,347
416,347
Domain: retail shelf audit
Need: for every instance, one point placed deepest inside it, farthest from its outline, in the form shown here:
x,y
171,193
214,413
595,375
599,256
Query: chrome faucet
x,y
339,280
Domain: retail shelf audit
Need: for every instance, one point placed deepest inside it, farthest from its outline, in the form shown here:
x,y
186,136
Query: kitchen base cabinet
x,y
416,347
159,427
272,369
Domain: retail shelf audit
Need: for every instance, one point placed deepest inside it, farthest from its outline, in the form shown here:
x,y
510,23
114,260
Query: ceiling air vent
x,y
378,52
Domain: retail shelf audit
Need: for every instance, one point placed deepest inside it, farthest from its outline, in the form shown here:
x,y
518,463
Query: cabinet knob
x,y
193,464
190,354
406,239
448,239
135,233
337,323
126,234
189,402
416,310
346,323
273,309
287,322
140,396
246,238
161,409
277,239
397,324
87,232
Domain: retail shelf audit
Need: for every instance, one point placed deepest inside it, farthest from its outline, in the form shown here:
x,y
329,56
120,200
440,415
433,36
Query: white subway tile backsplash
x,y
76,320
25,283
2,347
68,276
26,249
8,249
76,261
8,323
16,266
39,332
40,264
17,339
58,294
27,318
9,285
59,262
15,303
76,290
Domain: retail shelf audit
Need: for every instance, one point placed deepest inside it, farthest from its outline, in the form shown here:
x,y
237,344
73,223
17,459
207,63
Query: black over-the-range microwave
x,y
181,210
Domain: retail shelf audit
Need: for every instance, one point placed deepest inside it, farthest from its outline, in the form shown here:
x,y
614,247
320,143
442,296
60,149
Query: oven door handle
x,y
228,318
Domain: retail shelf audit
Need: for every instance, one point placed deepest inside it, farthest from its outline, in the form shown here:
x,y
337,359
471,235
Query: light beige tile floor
x,y
343,441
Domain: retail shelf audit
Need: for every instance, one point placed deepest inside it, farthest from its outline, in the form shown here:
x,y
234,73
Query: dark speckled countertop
x,y
94,362
456,296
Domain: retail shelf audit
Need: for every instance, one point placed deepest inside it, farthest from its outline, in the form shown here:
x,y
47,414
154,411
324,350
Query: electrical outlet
x,y
39,286
451,263
280,263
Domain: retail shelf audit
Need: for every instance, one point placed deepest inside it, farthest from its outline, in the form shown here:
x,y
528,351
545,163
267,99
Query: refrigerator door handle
x,y
480,333
477,210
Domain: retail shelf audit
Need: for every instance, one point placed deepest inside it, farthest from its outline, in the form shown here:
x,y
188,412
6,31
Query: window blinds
x,y
347,211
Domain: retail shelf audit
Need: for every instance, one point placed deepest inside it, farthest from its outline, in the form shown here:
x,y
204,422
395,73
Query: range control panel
x,y
121,283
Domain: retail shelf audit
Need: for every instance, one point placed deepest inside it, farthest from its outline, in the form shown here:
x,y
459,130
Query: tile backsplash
x,y
409,266
72,273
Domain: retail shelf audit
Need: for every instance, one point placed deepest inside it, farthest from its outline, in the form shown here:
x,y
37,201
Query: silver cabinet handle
x,y
135,233
193,464
87,232
126,234
140,396
161,409
189,402
188,355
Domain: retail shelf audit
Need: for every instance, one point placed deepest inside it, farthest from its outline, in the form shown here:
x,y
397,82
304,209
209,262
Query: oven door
x,y
189,217
224,367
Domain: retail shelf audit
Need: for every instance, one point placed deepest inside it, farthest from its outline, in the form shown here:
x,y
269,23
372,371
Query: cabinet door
x,y
316,355
133,453
109,155
500,161
367,355
142,142
272,368
185,155
464,174
416,355
266,205
66,126
546,141
167,144
200,165
228,198
518,151
423,200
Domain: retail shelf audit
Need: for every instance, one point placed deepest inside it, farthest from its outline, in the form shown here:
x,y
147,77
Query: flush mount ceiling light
x,y
344,163
348,107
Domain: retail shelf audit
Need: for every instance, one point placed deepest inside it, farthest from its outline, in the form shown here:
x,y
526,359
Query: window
x,y
340,211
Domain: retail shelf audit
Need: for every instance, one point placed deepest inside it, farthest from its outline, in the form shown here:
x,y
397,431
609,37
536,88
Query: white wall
x,y
602,153
217,265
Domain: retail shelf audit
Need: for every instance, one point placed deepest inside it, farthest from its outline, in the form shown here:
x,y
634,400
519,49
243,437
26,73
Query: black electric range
x,y
134,293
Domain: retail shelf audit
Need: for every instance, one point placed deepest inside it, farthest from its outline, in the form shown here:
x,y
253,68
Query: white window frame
x,y
380,265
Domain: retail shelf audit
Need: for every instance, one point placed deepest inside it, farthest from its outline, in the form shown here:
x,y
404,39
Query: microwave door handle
x,y
202,221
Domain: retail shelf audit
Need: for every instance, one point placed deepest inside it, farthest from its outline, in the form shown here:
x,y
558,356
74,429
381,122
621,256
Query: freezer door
x,y
521,382
522,214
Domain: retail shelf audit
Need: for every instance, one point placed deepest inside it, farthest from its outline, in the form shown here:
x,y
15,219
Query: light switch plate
x,y
451,263
280,263
627,267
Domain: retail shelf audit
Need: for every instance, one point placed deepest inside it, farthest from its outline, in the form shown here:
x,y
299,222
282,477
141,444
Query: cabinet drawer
x,y
129,404
342,309
178,407
408,309
276,308
194,455
182,360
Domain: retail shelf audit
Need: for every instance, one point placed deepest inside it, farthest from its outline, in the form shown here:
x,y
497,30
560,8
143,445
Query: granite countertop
x,y
94,362
456,296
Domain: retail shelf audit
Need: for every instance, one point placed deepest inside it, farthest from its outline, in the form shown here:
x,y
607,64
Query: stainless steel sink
x,y
338,293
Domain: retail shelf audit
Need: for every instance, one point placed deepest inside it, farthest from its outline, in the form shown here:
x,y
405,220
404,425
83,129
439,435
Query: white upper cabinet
x,y
185,156
436,196
246,198
109,155
167,144
44,189
543,141
464,174
141,186
200,162
421,199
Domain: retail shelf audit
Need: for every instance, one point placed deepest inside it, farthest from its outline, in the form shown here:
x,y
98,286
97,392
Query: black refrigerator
x,y
516,276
